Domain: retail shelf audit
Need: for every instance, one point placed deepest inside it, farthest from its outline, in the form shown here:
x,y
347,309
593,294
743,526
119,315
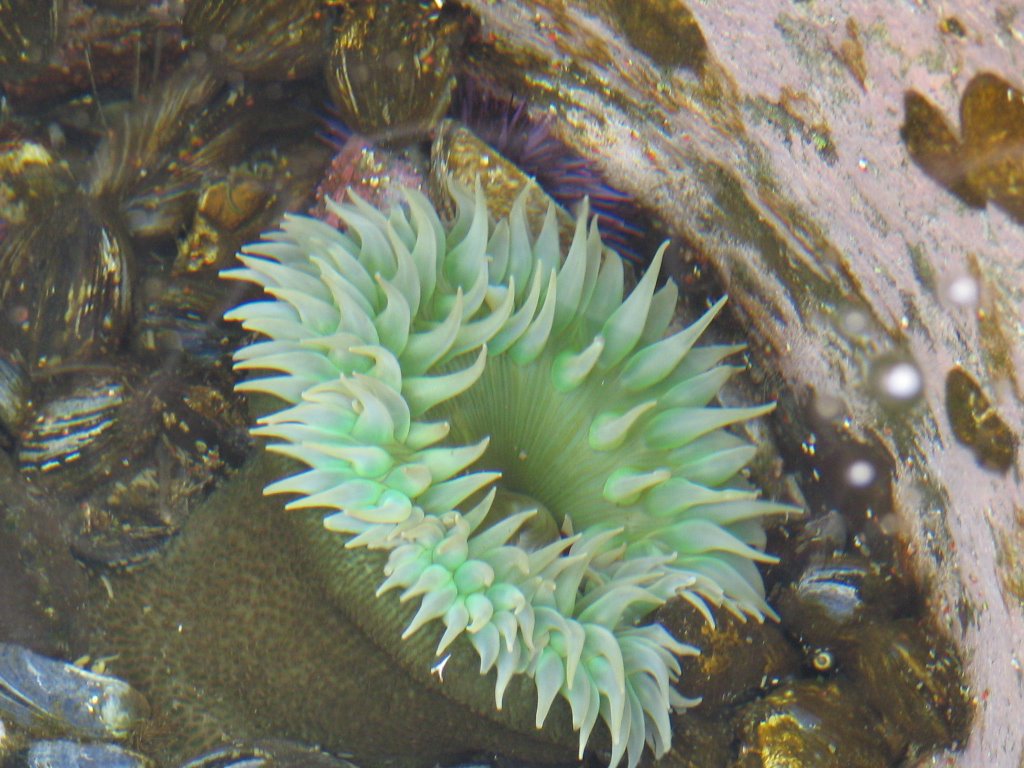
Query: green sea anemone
x,y
534,453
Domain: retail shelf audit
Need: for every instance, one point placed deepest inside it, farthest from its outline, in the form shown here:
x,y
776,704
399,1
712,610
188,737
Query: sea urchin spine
x,y
537,457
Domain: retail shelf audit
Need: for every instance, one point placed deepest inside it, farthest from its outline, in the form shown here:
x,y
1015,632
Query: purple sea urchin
x,y
537,457
529,143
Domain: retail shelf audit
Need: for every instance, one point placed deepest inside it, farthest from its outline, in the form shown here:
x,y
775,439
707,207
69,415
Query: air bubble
x,y
902,381
218,42
964,291
854,322
827,407
860,473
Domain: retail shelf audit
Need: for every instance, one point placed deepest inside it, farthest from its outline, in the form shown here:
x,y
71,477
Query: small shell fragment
x,y
62,753
271,753
15,394
46,696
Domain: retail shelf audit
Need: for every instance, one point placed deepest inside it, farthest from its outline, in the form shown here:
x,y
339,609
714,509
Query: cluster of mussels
x,y
141,144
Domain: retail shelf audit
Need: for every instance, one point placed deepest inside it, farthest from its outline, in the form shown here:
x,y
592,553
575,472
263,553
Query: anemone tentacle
x,y
534,449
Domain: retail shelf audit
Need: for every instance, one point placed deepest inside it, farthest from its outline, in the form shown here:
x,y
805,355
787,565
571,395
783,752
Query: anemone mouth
x,y
533,448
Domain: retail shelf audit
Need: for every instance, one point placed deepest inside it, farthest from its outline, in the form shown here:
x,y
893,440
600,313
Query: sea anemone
x,y
534,451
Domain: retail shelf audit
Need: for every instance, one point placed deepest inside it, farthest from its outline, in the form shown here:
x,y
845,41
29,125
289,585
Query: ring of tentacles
x,y
535,451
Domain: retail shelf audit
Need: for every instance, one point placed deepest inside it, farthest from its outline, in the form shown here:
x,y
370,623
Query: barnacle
x,y
534,451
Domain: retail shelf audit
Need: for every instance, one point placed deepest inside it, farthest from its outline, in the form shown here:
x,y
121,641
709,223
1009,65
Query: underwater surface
x,y
369,393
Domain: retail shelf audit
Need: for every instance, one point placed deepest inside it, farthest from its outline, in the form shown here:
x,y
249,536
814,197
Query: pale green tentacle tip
x,y
656,361
609,430
570,369
625,486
